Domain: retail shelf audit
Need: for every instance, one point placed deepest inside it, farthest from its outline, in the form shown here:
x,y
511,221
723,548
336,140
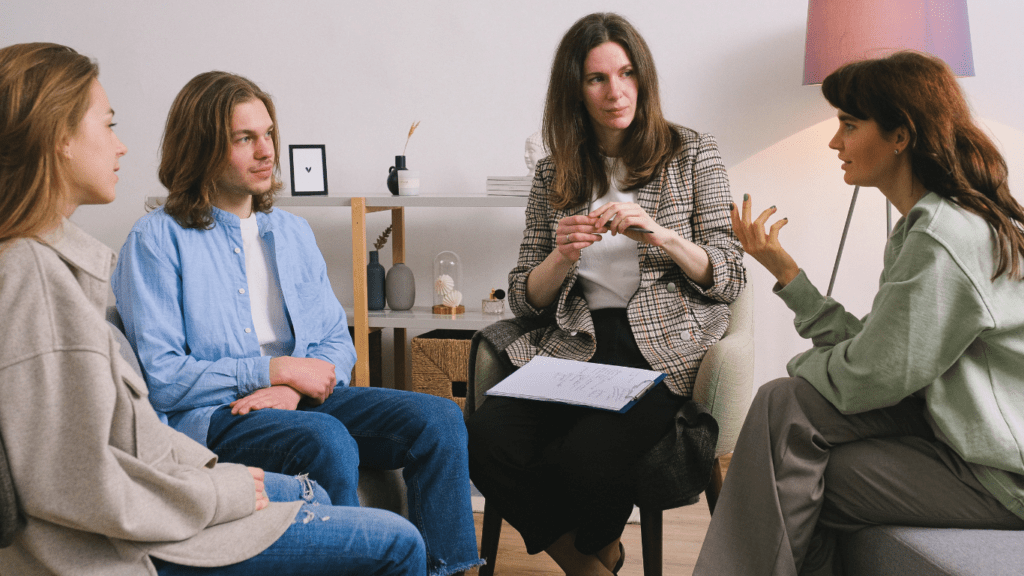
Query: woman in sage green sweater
x,y
914,414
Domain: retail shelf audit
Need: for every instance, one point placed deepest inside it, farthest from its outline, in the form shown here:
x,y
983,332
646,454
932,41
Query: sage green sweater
x,y
940,328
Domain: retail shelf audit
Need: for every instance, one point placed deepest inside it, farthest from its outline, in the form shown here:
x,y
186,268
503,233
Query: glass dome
x,y
448,280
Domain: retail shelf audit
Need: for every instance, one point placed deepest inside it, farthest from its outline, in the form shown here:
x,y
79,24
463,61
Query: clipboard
x,y
602,386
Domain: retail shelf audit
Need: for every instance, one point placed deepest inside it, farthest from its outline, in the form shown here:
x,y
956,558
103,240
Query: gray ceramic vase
x,y
400,287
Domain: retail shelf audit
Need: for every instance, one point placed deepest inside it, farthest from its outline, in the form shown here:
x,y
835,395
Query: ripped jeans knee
x,y
283,488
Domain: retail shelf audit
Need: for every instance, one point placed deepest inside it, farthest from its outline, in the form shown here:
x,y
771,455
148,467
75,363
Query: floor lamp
x,y
841,31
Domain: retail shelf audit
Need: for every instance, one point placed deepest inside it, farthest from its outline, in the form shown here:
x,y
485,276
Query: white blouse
x,y
610,269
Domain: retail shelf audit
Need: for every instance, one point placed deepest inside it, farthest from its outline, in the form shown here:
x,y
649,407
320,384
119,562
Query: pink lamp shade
x,y
841,31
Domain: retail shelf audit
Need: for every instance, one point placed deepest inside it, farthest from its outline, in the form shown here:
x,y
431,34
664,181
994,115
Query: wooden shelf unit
x,y
420,317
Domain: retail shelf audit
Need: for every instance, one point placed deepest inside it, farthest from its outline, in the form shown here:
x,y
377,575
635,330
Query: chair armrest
x,y
486,368
724,383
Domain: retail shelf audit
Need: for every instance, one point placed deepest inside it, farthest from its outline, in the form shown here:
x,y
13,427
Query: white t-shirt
x,y
265,300
610,269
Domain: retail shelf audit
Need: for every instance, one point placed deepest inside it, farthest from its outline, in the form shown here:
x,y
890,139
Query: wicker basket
x,y
440,364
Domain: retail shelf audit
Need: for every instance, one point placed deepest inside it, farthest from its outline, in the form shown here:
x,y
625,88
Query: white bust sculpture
x,y
535,151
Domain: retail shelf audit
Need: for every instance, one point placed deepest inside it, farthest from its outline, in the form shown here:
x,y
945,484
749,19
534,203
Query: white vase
x,y
408,182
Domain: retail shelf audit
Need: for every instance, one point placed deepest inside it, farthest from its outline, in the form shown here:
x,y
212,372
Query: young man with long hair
x,y
245,346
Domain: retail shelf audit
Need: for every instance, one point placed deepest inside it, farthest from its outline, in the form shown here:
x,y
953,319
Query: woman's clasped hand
x,y
574,233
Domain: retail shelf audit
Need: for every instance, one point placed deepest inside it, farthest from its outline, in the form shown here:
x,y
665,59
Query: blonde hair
x,y
44,94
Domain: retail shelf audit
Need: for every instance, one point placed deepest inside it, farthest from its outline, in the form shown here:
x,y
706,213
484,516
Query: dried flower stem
x,y
411,130
382,239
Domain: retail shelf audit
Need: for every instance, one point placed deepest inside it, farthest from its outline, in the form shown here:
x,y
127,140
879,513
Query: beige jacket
x,y
102,482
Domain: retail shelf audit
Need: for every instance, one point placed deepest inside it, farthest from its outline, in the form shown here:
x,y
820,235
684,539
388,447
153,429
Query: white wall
x,y
355,75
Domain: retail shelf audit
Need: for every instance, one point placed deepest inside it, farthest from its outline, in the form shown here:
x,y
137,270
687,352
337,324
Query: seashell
x,y
452,299
444,284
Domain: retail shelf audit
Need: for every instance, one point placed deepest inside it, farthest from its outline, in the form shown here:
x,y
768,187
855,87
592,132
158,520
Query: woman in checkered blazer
x,y
628,258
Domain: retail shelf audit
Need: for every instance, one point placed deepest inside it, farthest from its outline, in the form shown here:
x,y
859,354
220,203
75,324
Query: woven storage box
x,y
440,364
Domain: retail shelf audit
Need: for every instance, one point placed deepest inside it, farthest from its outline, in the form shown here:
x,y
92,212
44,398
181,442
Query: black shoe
x,y
622,559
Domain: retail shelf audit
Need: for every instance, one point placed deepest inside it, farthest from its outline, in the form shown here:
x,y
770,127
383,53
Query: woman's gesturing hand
x,y
764,246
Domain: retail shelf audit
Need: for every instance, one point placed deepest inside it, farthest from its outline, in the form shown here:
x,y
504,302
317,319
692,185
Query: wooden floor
x,y
684,533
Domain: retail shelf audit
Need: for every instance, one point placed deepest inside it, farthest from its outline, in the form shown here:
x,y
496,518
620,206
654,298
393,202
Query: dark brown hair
x,y
648,143
44,94
949,154
196,146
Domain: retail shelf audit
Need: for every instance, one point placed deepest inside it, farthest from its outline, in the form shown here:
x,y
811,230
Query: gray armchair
x,y
723,386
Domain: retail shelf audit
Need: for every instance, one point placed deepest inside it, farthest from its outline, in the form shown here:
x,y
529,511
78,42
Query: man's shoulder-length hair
x,y
196,146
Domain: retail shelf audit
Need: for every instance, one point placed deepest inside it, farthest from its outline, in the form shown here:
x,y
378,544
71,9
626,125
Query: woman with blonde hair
x,y
102,486
593,288
913,414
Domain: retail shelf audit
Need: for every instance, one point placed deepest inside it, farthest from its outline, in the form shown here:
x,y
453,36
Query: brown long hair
x,y
649,142
196,146
44,94
949,154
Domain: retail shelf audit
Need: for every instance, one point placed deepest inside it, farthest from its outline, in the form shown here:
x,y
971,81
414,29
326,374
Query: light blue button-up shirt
x,y
183,296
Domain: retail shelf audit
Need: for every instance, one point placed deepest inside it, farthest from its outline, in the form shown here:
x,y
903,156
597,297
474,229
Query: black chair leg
x,y
651,541
712,498
489,539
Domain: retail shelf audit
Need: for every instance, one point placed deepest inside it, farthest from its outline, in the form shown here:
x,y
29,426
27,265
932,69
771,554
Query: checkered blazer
x,y
674,320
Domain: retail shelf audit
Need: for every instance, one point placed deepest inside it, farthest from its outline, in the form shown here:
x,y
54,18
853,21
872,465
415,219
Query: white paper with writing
x,y
572,382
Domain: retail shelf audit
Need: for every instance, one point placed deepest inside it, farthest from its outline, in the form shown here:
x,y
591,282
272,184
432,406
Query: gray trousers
x,y
803,472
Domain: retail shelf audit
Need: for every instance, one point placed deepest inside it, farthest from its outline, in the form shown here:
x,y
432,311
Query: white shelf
x,y
312,201
467,201
448,201
281,201
421,318
425,201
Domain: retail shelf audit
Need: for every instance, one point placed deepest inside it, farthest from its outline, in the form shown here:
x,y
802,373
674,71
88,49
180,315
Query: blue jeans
x,y
326,540
377,428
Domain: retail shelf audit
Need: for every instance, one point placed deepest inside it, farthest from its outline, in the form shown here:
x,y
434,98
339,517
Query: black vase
x,y
393,174
374,283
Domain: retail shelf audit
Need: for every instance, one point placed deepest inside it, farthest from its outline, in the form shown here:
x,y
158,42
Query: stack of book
x,y
509,185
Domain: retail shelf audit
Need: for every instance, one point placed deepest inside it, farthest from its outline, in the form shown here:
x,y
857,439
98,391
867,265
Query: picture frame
x,y
308,167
